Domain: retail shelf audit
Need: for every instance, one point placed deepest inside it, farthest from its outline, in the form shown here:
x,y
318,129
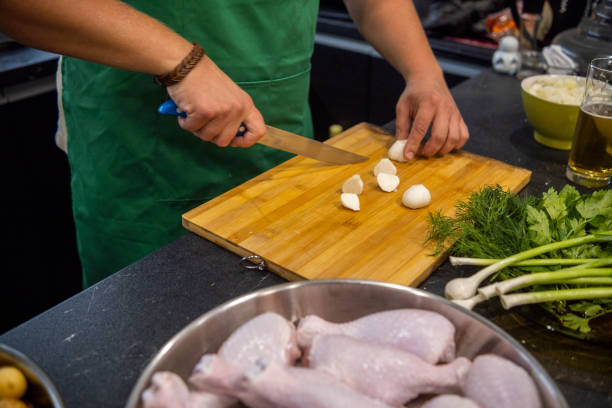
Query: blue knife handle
x,y
170,108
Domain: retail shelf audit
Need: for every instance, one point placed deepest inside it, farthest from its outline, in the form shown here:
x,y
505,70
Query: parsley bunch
x,y
523,240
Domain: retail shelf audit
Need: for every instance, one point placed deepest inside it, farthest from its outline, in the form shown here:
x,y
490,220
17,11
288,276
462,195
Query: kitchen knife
x,y
286,141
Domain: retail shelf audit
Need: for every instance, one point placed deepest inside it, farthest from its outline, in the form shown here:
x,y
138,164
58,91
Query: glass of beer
x,y
590,161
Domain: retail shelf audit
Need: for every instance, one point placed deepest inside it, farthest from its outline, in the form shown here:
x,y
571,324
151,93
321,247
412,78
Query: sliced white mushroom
x,y
396,151
385,166
353,184
387,182
417,196
350,201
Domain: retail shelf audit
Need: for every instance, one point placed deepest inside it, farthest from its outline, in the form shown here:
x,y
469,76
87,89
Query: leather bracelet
x,y
181,70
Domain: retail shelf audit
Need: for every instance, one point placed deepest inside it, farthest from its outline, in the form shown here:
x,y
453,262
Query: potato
x,y
13,403
13,383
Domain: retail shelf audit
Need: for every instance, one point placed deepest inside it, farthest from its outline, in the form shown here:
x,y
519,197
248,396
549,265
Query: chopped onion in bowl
x,y
563,90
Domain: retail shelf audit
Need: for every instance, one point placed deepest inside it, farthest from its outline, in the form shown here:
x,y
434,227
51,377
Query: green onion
x,y
517,299
586,269
548,278
457,260
589,280
464,288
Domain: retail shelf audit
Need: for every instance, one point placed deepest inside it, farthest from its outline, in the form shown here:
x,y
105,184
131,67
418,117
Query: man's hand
x,y
120,36
216,106
427,101
394,29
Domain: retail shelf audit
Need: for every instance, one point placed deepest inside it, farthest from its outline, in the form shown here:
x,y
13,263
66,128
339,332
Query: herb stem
x,y
517,299
589,280
456,260
508,285
463,288
548,278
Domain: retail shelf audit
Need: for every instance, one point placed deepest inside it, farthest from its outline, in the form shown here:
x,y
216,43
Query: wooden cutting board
x,y
291,215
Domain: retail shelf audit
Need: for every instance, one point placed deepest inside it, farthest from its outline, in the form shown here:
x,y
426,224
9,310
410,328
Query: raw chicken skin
x,y
214,374
427,334
384,373
267,335
273,385
199,399
495,382
168,390
450,401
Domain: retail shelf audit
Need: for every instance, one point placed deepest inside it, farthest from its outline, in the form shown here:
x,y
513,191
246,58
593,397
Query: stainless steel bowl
x,y
41,391
339,301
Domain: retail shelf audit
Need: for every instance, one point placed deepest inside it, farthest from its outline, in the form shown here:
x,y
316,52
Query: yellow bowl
x,y
553,122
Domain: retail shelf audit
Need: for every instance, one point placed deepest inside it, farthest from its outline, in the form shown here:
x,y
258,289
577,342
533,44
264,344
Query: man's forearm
x,y
394,29
103,31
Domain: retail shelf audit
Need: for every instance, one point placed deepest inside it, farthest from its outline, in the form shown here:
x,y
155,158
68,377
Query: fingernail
x,y
409,155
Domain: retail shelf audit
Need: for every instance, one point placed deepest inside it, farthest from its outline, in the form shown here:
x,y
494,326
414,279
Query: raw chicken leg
x,y
384,373
273,385
213,373
268,336
199,399
450,401
427,334
495,382
168,390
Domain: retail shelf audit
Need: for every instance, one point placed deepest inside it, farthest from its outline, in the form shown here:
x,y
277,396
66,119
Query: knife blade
x,y
287,141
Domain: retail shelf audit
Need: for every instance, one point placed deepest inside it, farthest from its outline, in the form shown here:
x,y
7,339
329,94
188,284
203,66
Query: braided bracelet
x,y
181,70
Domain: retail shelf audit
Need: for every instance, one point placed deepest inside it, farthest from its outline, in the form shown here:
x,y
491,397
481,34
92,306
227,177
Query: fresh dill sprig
x,y
496,225
490,224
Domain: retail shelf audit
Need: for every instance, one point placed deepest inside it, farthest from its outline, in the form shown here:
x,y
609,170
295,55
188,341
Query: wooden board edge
x,y
292,276
357,128
445,255
238,250
519,187
429,270
377,129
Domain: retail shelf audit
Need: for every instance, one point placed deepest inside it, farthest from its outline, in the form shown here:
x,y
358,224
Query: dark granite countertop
x,y
95,344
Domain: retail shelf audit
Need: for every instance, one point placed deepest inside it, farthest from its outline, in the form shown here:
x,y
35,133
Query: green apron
x,y
133,171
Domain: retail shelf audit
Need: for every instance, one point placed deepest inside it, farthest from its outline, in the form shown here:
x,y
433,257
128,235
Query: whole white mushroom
x,y
417,196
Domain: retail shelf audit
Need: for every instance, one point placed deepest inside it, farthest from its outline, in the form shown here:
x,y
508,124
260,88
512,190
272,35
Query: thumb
x,y
255,129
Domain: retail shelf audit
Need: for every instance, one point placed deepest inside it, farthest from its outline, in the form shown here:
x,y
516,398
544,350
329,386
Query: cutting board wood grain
x,y
291,215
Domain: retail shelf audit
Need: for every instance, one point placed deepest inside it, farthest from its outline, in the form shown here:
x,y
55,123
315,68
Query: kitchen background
x,y
350,84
